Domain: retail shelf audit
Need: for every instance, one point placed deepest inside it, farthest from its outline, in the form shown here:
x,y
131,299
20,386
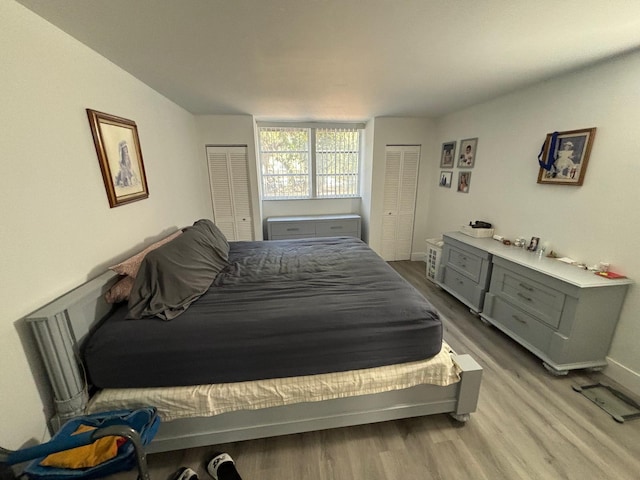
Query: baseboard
x,y
623,375
418,256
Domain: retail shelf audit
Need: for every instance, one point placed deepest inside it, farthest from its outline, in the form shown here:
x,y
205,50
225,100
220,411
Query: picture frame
x,y
120,157
464,181
448,154
571,153
533,244
467,152
445,179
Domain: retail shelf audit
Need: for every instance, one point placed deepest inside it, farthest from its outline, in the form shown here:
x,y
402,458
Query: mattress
x,y
175,403
282,309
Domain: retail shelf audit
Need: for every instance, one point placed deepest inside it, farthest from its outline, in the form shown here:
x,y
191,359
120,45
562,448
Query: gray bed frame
x,y
61,326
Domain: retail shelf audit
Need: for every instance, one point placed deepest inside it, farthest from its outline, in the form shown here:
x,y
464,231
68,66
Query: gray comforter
x,y
282,308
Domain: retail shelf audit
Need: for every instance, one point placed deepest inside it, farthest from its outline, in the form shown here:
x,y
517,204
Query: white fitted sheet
x,y
208,400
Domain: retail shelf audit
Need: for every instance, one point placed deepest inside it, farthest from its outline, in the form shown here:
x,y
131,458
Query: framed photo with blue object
x,y
445,179
566,154
120,157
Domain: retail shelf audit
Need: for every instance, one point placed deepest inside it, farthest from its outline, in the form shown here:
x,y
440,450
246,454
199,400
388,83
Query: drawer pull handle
x,y
518,319
526,287
337,227
525,297
292,229
464,265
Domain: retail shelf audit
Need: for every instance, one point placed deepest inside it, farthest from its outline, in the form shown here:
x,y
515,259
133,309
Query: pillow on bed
x,y
219,241
131,265
173,276
120,291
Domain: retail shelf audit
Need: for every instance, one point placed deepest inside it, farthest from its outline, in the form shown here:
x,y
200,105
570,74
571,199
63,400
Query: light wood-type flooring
x,y
529,425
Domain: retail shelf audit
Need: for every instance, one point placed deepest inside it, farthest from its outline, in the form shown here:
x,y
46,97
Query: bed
x,y
276,337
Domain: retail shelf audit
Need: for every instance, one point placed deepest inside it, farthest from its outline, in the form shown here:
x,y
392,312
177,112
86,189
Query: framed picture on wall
x,y
467,154
448,154
464,181
567,155
445,179
120,157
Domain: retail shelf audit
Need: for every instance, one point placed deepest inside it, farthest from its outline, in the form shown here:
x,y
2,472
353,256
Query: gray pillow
x,y
176,274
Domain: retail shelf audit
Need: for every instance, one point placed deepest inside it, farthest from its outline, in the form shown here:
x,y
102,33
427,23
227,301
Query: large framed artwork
x,y
569,153
120,157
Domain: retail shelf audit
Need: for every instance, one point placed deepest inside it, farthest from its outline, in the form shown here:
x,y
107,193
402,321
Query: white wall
x,y
592,223
238,130
57,227
366,179
402,131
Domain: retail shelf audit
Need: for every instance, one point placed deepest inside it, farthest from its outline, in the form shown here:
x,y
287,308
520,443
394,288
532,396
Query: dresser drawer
x,y
289,237
337,228
293,229
542,302
465,262
461,284
523,325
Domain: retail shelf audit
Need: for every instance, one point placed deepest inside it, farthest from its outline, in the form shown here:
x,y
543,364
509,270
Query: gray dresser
x,y
564,315
464,271
306,226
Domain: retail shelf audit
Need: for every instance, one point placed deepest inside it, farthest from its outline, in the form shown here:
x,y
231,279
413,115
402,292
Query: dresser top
x,y
302,218
549,266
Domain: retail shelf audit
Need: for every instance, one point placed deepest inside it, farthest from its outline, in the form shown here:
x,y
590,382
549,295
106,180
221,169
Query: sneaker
x,y
222,467
184,473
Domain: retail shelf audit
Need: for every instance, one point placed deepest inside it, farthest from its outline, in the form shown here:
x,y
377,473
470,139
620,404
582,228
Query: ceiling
x,y
345,59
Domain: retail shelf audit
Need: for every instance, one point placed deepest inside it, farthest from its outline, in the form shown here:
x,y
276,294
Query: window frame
x,y
312,128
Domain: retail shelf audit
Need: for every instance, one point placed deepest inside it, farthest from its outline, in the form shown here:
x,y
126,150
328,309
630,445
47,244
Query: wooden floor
x,y
529,425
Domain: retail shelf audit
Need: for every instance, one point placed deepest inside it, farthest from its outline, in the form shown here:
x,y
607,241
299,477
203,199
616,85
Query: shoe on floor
x,y
222,467
184,473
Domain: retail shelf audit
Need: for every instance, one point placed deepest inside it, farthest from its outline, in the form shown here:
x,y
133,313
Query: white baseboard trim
x,y
623,375
418,256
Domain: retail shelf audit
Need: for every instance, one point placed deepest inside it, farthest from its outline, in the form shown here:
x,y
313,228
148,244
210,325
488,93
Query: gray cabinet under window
x,y
309,226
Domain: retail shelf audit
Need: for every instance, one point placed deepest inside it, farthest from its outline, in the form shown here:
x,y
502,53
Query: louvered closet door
x,y
391,190
230,191
400,188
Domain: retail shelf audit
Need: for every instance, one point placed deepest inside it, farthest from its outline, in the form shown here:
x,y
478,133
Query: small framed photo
x,y
533,244
445,179
567,156
120,157
467,154
448,154
464,181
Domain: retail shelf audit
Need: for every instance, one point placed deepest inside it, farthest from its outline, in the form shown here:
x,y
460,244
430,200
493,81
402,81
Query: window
x,y
301,162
